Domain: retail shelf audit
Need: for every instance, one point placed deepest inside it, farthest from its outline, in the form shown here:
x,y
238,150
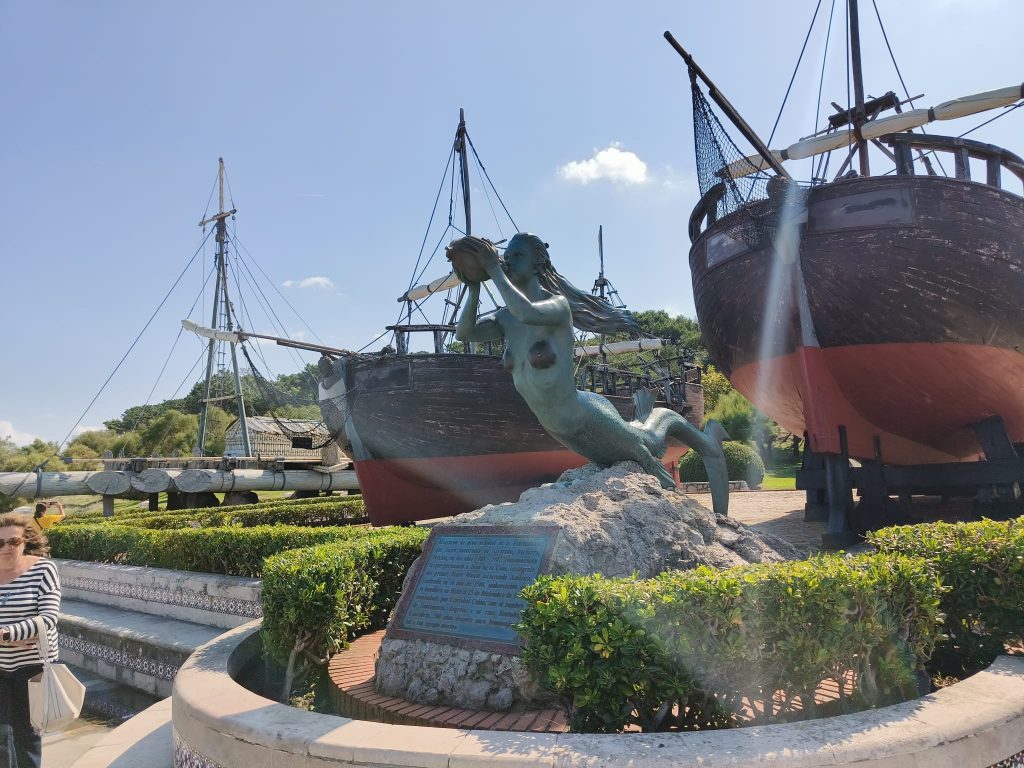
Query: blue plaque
x,y
466,589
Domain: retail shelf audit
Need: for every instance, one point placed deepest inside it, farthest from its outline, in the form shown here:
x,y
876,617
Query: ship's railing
x,y
442,333
905,146
605,379
963,150
706,208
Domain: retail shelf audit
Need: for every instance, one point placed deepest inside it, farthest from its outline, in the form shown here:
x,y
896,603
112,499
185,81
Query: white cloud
x,y
316,281
80,429
612,163
18,438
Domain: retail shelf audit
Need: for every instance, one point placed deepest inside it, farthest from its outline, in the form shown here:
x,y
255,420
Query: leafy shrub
x,y
320,596
741,460
982,563
685,649
232,551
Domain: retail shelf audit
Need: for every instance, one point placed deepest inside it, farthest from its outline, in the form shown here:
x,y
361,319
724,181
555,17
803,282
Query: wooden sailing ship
x,y
442,432
881,314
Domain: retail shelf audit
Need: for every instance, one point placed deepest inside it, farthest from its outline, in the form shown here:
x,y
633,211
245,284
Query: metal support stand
x,y
838,489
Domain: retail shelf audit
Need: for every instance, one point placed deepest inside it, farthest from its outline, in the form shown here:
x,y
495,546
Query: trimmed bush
x,y
982,563
323,512
232,551
692,649
315,599
134,514
741,460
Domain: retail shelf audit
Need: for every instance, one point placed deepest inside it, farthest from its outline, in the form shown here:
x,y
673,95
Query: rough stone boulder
x,y
617,521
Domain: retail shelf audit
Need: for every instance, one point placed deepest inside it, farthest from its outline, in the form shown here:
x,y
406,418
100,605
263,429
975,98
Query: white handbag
x,y
55,696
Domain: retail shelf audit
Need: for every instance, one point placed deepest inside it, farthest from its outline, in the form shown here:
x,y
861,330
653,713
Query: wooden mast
x,y
460,147
859,117
221,305
730,111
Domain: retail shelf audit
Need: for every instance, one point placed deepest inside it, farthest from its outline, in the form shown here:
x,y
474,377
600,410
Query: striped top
x,y
35,592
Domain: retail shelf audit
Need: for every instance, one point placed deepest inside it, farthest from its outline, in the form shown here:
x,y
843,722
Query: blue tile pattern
x,y
1014,761
186,757
187,598
118,657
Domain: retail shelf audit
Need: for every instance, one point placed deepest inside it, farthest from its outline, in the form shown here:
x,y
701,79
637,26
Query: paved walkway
x,y
777,512
61,750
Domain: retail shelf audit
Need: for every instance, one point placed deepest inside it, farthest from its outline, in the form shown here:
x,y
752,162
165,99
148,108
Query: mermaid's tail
x,y
663,423
713,456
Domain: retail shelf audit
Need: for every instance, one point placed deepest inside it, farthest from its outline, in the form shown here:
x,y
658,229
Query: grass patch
x,y
781,475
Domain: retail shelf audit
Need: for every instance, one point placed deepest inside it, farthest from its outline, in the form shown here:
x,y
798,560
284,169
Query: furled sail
x,y
422,291
613,347
873,129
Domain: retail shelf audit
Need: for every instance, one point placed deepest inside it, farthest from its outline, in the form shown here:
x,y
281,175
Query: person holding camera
x,y
44,518
29,587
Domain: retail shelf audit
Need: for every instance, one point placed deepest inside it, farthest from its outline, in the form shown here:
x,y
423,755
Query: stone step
x,y
202,598
137,650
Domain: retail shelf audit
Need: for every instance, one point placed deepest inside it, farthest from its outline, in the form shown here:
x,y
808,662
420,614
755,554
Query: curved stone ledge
x,y
219,724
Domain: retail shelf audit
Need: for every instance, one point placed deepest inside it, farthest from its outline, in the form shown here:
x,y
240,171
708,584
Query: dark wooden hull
x,y
433,435
902,318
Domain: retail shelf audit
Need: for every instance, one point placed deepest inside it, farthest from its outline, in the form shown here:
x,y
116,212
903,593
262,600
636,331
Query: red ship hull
x,y
900,316
878,391
434,435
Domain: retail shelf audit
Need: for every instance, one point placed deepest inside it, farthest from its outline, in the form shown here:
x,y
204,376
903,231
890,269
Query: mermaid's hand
x,y
473,258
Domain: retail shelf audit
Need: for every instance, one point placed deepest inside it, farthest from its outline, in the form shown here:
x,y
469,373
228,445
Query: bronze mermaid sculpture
x,y
537,325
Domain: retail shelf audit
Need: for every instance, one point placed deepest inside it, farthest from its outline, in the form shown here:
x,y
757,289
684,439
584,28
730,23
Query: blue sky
x,y
335,120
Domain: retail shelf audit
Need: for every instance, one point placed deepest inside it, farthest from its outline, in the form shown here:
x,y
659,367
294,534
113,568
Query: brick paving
x,y
353,695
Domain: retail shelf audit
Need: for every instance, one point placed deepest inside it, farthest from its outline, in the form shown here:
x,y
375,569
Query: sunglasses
x,y
15,542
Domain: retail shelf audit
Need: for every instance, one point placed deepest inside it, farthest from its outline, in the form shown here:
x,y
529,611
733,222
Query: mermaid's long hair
x,y
589,313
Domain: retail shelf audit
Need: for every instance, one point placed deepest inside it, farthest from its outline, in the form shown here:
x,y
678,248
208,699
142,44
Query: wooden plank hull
x,y
901,317
434,435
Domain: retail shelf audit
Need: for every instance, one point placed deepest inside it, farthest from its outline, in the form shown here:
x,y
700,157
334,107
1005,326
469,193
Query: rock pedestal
x,y
617,521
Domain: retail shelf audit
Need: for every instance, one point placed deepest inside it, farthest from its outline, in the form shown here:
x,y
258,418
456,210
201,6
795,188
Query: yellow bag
x,y
55,696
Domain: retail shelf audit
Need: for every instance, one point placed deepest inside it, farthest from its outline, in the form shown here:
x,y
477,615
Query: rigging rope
x,y
284,298
170,354
130,348
795,70
823,160
488,177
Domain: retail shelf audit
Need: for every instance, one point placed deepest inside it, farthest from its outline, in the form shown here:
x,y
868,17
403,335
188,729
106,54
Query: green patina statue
x,y
537,321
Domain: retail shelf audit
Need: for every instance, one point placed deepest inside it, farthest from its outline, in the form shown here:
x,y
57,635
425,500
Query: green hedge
x,y
315,599
983,565
325,512
621,652
87,518
232,551
741,460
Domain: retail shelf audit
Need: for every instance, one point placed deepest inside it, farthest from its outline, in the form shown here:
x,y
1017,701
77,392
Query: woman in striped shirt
x,y
29,587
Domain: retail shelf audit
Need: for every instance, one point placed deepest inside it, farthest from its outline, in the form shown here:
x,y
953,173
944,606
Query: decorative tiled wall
x,y
118,657
1014,761
187,598
186,757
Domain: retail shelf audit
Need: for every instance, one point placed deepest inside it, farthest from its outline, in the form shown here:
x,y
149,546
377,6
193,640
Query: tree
x,y
679,331
22,459
93,444
172,431
736,414
715,385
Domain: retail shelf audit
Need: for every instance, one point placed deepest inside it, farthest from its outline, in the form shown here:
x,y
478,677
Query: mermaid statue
x,y
541,308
